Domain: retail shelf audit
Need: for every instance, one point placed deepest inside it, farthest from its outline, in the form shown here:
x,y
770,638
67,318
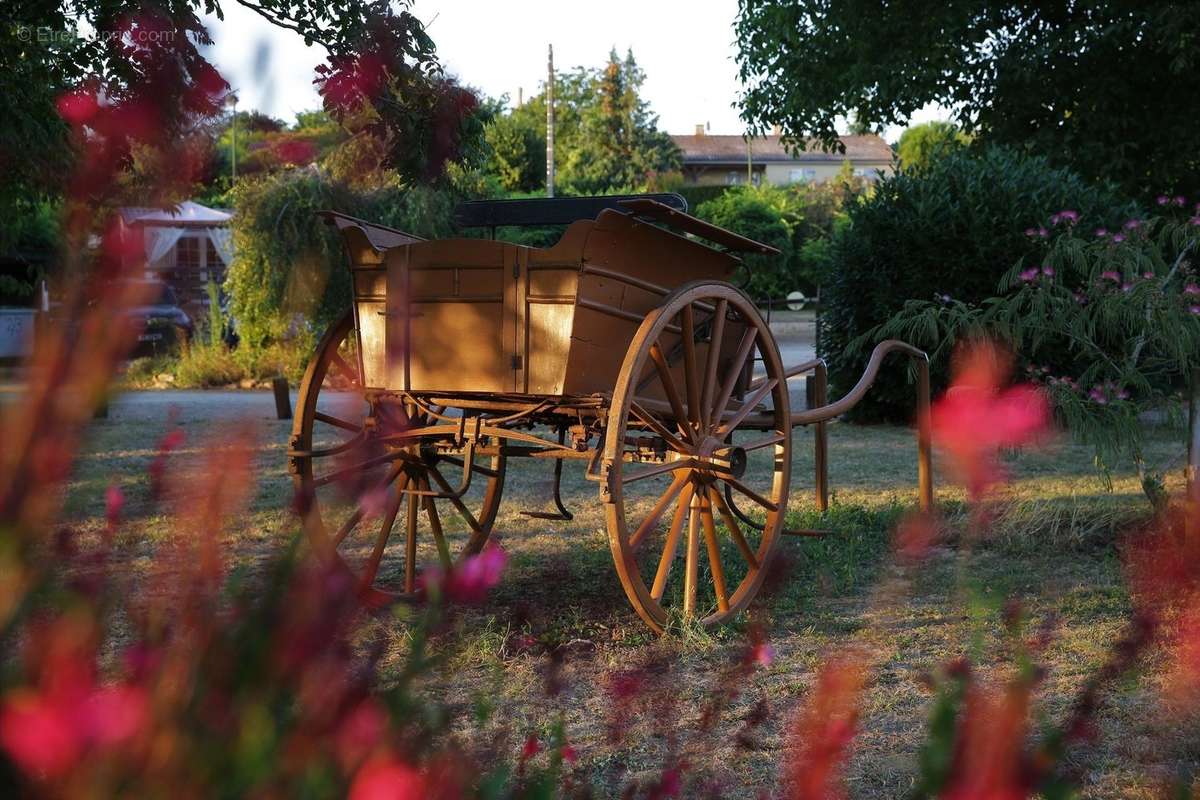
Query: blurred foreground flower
x,y
978,416
821,736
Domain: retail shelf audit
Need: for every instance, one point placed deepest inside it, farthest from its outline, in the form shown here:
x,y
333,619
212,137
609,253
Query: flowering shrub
x,y
1108,321
952,228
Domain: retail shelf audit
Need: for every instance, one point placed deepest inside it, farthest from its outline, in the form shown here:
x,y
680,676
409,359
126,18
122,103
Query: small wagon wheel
x,y
373,508
685,403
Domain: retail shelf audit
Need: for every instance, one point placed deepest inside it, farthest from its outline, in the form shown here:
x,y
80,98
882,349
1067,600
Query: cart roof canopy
x,y
666,209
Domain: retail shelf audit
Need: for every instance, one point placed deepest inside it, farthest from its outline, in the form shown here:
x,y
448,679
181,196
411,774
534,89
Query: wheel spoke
x,y
385,531
761,443
355,468
735,372
457,502
435,527
672,544
735,532
646,417
345,369
668,384
747,406
691,378
692,558
716,334
748,492
329,419
359,513
664,502
410,544
714,557
650,472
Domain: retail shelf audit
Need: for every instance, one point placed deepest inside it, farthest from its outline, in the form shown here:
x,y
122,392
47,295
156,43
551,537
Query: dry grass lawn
x,y
1053,549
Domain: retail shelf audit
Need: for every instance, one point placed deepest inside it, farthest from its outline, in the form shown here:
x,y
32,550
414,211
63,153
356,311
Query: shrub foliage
x,y
950,230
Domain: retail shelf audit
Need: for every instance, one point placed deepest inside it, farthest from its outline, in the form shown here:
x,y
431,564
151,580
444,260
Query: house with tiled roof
x,y
719,159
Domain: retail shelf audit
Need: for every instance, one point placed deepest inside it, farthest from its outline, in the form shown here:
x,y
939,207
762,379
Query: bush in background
x,y
288,271
797,219
946,231
1107,321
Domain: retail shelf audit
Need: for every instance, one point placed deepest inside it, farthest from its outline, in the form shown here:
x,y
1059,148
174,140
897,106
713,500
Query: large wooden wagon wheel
x,y
679,383
372,507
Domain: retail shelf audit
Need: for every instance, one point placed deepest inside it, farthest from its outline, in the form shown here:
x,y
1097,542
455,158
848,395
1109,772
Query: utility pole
x,y
550,124
231,101
749,161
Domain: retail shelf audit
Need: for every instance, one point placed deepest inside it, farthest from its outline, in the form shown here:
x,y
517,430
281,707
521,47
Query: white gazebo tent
x,y
186,247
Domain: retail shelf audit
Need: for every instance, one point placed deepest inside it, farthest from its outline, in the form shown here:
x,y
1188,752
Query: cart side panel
x,y
629,267
450,322
552,285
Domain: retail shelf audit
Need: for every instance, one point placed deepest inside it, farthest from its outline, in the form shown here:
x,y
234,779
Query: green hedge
x,y
950,229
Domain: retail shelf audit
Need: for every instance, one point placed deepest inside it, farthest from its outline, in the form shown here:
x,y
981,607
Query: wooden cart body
x,y
488,317
625,340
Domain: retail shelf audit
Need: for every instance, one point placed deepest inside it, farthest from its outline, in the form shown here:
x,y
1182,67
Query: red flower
x,y
821,735
114,502
47,732
975,418
77,107
531,748
477,575
389,779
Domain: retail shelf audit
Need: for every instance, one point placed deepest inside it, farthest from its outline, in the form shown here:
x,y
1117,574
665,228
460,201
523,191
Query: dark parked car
x,y
164,324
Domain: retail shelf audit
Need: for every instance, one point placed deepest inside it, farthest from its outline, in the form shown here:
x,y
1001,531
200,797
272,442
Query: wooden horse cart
x,y
623,347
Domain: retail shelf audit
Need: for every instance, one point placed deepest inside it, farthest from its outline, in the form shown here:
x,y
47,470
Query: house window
x,y
733,178
802,175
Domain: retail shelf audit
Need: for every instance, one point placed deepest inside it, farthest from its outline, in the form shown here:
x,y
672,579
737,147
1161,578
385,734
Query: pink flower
x,y
1194,310
1069,216
1125,287
1162,199
1132,224
823,732
1118,238
1101,233
46,733
976,417
531,748
77,107
1029,275
1191,288
567,753
471,580
1195,220
359,733
114,502
389,779
1048,270
1111,275
762,654
1180,200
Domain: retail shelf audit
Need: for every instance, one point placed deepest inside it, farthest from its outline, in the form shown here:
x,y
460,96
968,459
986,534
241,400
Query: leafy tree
x,y
618,145
1108,87
605,135
919,144
518,152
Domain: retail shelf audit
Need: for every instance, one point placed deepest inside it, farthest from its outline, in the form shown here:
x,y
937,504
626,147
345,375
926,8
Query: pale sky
x,y
686,49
